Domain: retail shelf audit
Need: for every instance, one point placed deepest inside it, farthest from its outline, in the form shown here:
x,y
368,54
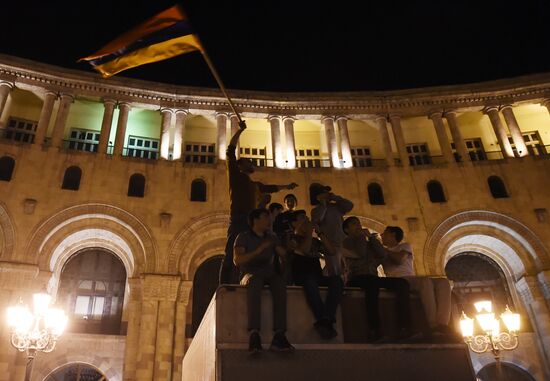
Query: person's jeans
x,y
229,274
327,309
372,285
435,294
255,283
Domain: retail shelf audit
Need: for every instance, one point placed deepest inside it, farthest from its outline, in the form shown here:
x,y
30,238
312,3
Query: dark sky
x,y
301,45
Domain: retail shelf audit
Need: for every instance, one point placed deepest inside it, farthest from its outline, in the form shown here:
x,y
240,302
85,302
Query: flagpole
x,y
220,83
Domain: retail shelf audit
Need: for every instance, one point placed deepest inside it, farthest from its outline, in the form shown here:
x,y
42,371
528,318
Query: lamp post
x,y
492,338
36,331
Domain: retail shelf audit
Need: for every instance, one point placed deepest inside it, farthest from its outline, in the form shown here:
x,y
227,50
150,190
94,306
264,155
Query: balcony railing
x,y
75,145
140,153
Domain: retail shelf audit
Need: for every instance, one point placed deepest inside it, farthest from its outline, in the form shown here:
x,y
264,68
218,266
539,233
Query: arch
x,y
136,185
435,191
55,239
71,178
201,238
76,368
524,252
510,372
205,283
497,187
376,194
7,165
7,233
198,190
371,224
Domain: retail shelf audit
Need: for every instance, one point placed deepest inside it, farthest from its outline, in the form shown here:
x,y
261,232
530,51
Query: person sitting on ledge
x,y
363,253
306,272
434,292
255,252
244,195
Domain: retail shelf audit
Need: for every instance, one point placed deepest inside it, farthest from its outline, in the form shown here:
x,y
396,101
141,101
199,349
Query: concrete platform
x,y
219,349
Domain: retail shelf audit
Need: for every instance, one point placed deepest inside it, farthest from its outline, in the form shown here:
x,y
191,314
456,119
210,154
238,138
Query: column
x,y
330,135
500,131
290,148
221,123
124,111
546,103
180,323
513,126
179,132
275,122
106,123
442,137
5,88
132,334
165,132
382,125
342,122
395,121
45,116
65,101
234,128
460,145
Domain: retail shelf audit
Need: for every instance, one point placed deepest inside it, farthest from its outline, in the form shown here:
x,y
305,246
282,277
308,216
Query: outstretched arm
x,y
235,138
264,188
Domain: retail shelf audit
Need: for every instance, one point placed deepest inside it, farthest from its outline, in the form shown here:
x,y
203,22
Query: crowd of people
x,y
274,245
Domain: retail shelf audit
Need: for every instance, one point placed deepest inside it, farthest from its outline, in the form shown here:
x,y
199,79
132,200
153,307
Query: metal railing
x,y
140,153
75,145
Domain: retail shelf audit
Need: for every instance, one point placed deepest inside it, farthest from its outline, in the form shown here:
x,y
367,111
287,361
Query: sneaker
x,y
255,343
325,329
280,343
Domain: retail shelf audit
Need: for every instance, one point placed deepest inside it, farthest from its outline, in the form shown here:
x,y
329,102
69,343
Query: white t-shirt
x,y
406,268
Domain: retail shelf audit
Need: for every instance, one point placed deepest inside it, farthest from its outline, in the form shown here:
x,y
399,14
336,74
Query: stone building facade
x,y
136,170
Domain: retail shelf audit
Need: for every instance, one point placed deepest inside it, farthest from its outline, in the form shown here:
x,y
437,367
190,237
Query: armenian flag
x,y
163,36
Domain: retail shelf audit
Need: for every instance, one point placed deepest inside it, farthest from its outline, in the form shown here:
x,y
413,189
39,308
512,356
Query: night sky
x,y
302,46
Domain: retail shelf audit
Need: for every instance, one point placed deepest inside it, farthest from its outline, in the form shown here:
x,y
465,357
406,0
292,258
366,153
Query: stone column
x,y
124,111
106,123
132,333
45,116
460,145
277,149
500,131
221,123
179,133
65,101
330,135
513,126
180,323
289,142
395,121
442,137
165,132
342,122
234,128
382,125
5,89
546,103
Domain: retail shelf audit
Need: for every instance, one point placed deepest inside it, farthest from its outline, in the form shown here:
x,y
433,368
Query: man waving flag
x,y
163,36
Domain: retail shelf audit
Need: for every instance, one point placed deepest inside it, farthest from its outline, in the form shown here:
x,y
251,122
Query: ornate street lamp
x,y
36,331
492,337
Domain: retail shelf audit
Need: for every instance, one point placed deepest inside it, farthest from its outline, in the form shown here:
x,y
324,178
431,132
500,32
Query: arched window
x,y
509,372
497,187
205,283
6,168
91,290
435,191
71,179
477,277
376,194
198,190
76,372
136,185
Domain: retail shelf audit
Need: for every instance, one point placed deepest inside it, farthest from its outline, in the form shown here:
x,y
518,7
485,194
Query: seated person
x,y
362,254
307,272
254,254
434,292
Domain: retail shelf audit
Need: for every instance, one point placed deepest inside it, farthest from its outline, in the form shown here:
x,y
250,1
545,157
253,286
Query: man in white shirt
x,y
435,293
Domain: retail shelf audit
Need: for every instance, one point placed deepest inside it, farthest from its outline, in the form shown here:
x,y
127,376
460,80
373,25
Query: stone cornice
x,y
33,75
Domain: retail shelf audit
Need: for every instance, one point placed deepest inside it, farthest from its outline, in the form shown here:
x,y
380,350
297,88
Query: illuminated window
x,y
255,154
91,290
435,191
71,178
418,154
361,157
7,164
20,130
376,194
83,140
200,153
76,372
145,148
198,190
136,185
475,150
533,142
310,158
